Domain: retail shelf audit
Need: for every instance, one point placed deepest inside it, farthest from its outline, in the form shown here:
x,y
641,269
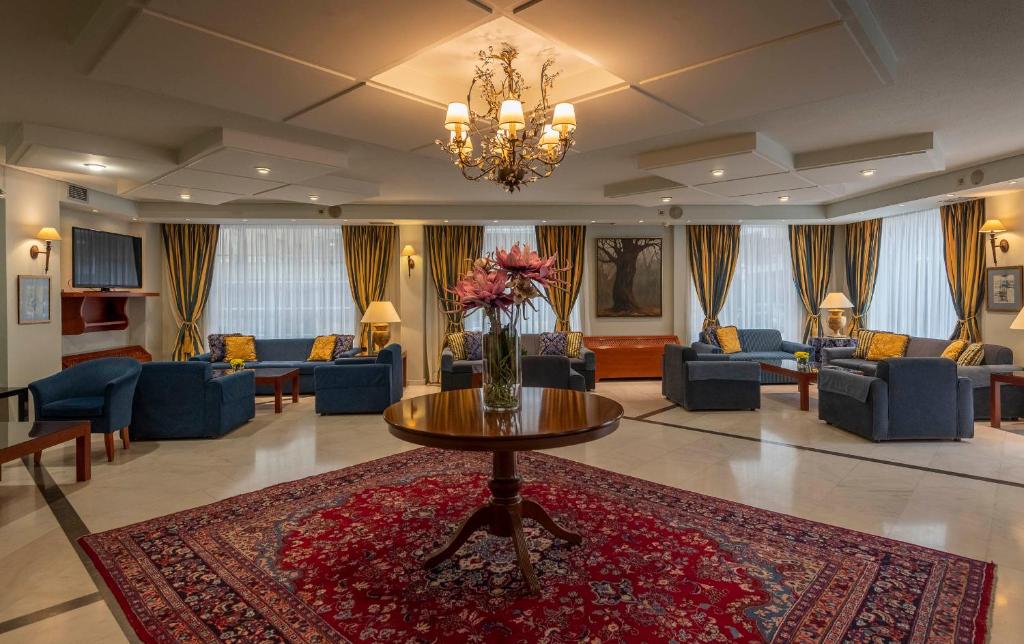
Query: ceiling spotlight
x,y
187,219
135,218
446,221
593,221
494,221
950,194
314,197
867,172
1013,182
666,199
543,221
900,205
718,172
95,167
641,221
94,210
245,220
262,169
186,196
783,197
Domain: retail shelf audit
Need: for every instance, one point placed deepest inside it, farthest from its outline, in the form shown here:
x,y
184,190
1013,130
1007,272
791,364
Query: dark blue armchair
x,y
709,382
554,372
360,385
185,400
99,391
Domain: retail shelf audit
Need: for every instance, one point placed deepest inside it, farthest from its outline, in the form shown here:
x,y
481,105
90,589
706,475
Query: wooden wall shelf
x,y
92,311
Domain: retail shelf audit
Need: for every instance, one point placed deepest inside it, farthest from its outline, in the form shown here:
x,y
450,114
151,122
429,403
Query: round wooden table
x,y
548,418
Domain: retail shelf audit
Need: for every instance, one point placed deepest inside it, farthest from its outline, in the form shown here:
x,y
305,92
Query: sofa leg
x,y
108,443
124,437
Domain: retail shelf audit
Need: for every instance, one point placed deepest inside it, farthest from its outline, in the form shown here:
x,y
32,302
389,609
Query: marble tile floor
x,y
965,497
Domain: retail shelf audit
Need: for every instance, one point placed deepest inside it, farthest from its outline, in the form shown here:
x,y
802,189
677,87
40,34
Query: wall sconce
x,y
408,252
993,227
48,235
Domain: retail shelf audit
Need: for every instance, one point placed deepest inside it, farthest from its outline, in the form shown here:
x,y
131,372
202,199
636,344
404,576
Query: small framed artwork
x,y
1004,288
33,299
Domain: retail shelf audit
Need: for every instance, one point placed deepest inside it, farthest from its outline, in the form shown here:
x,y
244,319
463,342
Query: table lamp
x,y
1018,322
835,302
380,316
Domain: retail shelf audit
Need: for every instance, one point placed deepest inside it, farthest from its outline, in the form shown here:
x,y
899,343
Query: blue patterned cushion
x,y
553,343
342,343
474,345
710,336
217,346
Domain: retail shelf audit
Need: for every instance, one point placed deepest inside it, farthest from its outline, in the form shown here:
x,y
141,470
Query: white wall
x,y
995,326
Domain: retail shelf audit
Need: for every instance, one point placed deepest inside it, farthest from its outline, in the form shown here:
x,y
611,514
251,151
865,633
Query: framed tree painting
x,y
33,299
1004,288
628,277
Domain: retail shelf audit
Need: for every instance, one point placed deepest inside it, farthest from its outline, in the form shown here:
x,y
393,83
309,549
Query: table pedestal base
x,y
503,516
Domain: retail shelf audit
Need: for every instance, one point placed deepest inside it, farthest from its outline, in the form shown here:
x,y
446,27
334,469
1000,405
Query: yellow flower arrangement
x,y
801,355
237,364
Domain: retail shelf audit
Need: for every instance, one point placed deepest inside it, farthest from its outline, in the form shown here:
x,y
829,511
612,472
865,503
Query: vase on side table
x,y
502,372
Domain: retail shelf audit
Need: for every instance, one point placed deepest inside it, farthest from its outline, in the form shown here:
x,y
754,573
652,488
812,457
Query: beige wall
x,y
411,302
995,327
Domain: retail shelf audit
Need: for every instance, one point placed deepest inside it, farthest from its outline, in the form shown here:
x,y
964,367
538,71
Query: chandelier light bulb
x,y
548,140
564,118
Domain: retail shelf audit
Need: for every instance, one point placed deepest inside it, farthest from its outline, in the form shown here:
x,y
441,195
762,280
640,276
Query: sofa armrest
x,y
447,359
117,398
792,347
589,358
701,347
201,357
834,353
232,386
713,357
359,360
576,381
51,388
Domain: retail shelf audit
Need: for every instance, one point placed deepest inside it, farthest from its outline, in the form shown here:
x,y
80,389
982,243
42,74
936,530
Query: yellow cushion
x,y
887,345
863,343
457,343
573,344
972,355
955,348
240,347
323,348
729,339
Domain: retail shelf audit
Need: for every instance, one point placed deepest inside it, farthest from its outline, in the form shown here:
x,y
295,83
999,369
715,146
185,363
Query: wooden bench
x,y
628,356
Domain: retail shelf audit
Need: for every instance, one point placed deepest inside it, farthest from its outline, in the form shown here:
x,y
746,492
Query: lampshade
x,y
564,118
457,118
408,251
511,115
1018,322
992,226
380,312
48,234
549,139
836,300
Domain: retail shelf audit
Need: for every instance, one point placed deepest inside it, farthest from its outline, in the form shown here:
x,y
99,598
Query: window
x,y
762,294
276,281
911,291
541,320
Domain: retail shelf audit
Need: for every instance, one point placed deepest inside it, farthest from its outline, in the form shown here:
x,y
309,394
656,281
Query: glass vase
x,y
502,371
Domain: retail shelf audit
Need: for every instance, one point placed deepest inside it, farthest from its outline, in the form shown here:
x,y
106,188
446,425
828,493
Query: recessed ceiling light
x,y
262,169
867,172
446,221
187,219
135,218
314,197
593,221
1013,182
245,220
543,221
494,221
94,210
640,222
95,167
186,196
293,220
718,172
666,199
901,205
950,194
783,197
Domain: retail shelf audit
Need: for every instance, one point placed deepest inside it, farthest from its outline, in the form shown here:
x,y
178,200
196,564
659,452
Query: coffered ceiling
x,y
342,99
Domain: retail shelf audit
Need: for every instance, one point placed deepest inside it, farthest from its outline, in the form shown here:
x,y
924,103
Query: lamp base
x,y
836,321
380,335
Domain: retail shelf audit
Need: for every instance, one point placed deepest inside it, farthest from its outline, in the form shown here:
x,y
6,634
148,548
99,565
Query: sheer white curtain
x,y
762,294
543,319
277,281
911,291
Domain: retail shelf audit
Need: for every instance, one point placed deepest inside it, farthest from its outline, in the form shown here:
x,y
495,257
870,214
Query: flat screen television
x,y
105,260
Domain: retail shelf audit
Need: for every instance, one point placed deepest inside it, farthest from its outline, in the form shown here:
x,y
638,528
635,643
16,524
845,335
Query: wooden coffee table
x,y
549,418
21,439
996,381
276,377
803,377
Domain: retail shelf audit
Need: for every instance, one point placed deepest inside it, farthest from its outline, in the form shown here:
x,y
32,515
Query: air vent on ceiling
x,y
78,193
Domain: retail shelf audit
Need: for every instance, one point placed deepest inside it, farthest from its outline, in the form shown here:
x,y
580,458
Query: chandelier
x,y
515,147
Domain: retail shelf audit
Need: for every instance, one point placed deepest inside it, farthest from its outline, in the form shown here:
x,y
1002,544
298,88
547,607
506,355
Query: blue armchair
x,y
908,398
709,382
554,372
758,345
99,391
359,385
185,400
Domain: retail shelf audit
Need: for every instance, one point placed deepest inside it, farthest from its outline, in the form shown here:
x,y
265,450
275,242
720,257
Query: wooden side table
x,y
995,403
21,439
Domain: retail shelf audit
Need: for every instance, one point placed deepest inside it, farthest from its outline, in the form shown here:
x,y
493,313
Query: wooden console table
x,y
133,351
91,311
628,356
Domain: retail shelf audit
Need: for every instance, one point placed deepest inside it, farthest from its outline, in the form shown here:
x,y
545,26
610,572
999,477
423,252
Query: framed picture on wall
x,y
1004,288
629,277
33,299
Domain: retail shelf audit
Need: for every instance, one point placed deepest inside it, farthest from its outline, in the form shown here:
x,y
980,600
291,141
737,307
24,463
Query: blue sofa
x,y
281,353
458,374
185,400
759,345
100,391
553,372
359,385
711,383
907,398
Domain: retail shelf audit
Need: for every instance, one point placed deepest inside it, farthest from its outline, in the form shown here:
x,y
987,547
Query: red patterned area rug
x,y
337,558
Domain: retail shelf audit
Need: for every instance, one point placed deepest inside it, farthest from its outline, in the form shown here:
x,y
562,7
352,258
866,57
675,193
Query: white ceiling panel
x,y
300,194
167,58
345,184
191,178
815,66
623,116
378,116
755,185
800,196
644,38
157,192
243,163
887,169
679,197
736,166
355,37
63,160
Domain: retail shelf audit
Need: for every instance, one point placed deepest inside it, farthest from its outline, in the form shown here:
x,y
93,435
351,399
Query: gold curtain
x,y
450,251
189,250
713,254
810,251
567,243
368,256
863,242
965,264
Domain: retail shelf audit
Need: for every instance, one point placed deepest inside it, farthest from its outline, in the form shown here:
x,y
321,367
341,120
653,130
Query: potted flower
x,y
236,364
802,358
502,285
